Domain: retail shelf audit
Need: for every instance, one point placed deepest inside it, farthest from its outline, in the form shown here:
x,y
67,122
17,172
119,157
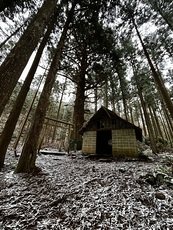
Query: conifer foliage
x,y
116,53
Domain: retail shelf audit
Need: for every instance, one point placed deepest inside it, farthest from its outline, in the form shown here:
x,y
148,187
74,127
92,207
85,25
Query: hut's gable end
x,y
104,123
107,123
118,123
100,124
124,143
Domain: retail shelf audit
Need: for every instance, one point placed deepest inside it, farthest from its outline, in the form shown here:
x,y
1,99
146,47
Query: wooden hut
x,y
108,134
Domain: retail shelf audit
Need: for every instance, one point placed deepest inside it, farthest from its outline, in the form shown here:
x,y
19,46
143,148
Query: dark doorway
x,y
104,142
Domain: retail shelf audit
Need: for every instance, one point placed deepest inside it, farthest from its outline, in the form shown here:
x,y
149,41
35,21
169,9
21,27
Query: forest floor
x,y
75,192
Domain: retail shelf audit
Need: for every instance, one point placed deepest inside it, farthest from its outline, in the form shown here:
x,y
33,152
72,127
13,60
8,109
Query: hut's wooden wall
x,y
89,142
107,123
124,143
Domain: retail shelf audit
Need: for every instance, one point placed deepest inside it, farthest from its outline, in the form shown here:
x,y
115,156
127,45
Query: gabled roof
x,y
103,111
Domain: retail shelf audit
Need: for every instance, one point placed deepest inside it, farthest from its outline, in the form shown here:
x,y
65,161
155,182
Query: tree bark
x,y
155,129
158,79
10,36
160,132
8,130
78,115
120,76
113,98
147,118
105,96
9,4
58,112
149,124
12,67
28,156
95,99
168,22
143,120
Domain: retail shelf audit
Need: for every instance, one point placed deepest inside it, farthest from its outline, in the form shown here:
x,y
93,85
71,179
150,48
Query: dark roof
x,y
104,111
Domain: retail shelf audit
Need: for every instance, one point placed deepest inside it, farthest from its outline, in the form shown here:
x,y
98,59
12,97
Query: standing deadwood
x,y
10,125
28,156
12,67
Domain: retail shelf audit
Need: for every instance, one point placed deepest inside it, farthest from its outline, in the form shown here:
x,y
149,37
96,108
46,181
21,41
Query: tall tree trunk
x,y
15,62
120,76
168,22
147,118
165,128
78,115
105,96
113,101
157,123
158,79
143,120
9,4
28,156
10,125
137,115
149,124
131,116
95,99
59,108
156,133
168,120
26,117
10,36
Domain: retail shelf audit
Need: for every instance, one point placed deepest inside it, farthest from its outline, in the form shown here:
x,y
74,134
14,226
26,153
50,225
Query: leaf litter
x,y
76,192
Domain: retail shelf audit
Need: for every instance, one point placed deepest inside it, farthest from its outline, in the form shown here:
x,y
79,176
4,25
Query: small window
x,y
109,124
113,122
100,124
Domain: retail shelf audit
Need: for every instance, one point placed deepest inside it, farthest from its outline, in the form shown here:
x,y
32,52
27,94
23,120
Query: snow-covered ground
x,y
79,193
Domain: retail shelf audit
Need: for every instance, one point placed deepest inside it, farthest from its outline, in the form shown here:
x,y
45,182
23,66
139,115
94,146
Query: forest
x,y
60,60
